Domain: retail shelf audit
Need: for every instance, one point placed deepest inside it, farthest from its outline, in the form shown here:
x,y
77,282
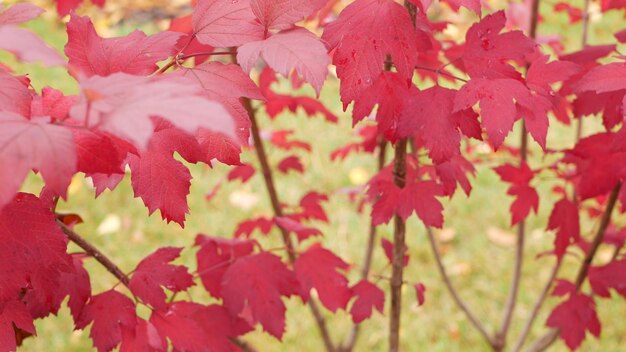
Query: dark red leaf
x,y
318,268
155,272
368,296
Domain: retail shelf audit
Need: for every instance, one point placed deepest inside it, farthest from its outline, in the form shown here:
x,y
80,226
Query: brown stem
x,y
585,36
278,211
455,295
95,253
369,253
542,343
548,339
167,66
214,53
438,71
537,307
511,302
441,72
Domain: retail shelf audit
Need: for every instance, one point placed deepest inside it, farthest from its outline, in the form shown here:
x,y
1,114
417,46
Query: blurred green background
x,y
477,243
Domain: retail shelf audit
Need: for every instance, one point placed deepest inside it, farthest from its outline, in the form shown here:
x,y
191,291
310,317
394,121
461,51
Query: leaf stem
x,y
278,211
455,295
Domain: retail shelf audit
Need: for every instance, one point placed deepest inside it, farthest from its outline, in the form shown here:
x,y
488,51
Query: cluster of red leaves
x,y
129,113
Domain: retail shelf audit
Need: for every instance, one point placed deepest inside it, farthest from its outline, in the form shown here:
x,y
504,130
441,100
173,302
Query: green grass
x,y
481,268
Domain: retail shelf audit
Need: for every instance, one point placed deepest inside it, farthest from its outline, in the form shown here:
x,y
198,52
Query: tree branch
x,y
537,307
548,339
455,295
95,253
399,248
278,211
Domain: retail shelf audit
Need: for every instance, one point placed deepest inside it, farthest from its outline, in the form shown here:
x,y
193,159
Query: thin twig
x,y
509,310
215,53
95,253
548,339
278,211
369,253
455,295
537,307
441,72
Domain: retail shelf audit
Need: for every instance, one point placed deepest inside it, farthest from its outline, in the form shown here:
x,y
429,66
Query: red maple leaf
x,y
291,225
600,163
311,208
416,196
500,100
227,149
34,144
144,338
154,272
215,256
565,220
364,33
257,282
124,105
392,95
388,249
368,296
24,44
13,314
612,275
428,115
290,163
111,312
195,327
296,49
487,51
574,318
220,80
455,172
319,268
168,193
52,103
526,197
283,14
282,139
242,172
15,97
223,24
420,291
247,227
134,54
